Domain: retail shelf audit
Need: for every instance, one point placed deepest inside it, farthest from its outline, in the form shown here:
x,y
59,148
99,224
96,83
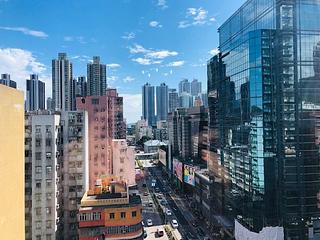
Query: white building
x,y
142,129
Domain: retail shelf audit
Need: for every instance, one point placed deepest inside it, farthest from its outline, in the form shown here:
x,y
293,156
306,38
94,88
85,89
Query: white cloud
x,y
155,24
196,17
161,54
113,65
132,105
20,63
128,79
128,36
26,31
138,49
162,4
214,51
150,56
175,64
82,58
146,61
79,39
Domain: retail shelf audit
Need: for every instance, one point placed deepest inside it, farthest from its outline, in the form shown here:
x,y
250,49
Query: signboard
x,y
163,157
189,172
177,169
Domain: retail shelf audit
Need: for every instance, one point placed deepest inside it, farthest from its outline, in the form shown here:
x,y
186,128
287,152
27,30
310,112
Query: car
x,y
150,204
159,196
145,194
168,212
157,190
145,234
159,233
142,223
149,222
174,223
163,202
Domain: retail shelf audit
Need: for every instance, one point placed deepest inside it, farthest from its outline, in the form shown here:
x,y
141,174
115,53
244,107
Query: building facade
x,y
63,84
12,205
185,100
184,86
173,100
105,115
35,94
196,88
97,78
110,211
81,87
73,170
148,104
264,115
5,80
162,102
41,174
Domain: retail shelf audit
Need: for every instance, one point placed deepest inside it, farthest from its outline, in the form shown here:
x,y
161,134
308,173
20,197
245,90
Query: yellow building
x,y
11,163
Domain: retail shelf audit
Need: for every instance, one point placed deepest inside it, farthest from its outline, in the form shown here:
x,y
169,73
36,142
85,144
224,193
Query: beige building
x,y
12,163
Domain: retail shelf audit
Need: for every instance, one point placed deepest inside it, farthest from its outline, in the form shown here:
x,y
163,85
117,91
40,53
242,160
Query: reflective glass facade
x,y
264,102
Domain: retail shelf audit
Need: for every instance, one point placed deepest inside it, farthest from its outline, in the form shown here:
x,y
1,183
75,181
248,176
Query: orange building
x,y
110,211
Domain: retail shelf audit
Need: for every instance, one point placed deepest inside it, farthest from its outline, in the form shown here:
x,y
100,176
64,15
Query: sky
x,y
141,41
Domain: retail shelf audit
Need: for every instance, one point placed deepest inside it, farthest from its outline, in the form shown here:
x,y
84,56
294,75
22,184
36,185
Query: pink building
x,y
105,121
123,161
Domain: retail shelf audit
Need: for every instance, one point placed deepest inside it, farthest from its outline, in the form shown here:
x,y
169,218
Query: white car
x,y
149,223
174,223
168,212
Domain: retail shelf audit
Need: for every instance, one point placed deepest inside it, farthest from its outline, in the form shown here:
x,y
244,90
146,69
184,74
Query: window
x,y
38,211
111,215
38,184
48,237
48,210
38,170
38,237
49,196
38,197
38,142
134,214
48,182
38,156
95,101
123,215
49,224
48,142
38,224
48,170
48,155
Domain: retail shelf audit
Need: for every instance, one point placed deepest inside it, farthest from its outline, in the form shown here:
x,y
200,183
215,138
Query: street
x,y
168,200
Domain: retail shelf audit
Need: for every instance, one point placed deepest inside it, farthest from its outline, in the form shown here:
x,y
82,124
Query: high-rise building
x,y
173,100
12,206
97,78
110,211
204,99
35,93
5,80
184,86
148,104
42,178
74,154
63,85
105,115
185,100
56,172
195,88
81,87
162,102
49,106
264,103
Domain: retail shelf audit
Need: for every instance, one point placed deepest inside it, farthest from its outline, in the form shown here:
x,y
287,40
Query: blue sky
x,y
140,40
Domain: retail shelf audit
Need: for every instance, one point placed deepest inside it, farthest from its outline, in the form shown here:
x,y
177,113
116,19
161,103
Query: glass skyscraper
x,y
148,104
264,102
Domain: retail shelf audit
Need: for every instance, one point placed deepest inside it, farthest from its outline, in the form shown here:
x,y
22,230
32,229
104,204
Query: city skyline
x,y
128,43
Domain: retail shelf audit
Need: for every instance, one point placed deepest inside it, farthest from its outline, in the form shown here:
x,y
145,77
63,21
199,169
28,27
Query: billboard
x,y
163,157
177,169
189,172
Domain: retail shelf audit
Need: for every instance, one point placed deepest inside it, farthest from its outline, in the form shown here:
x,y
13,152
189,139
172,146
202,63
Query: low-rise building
x,y
110,211
153,146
